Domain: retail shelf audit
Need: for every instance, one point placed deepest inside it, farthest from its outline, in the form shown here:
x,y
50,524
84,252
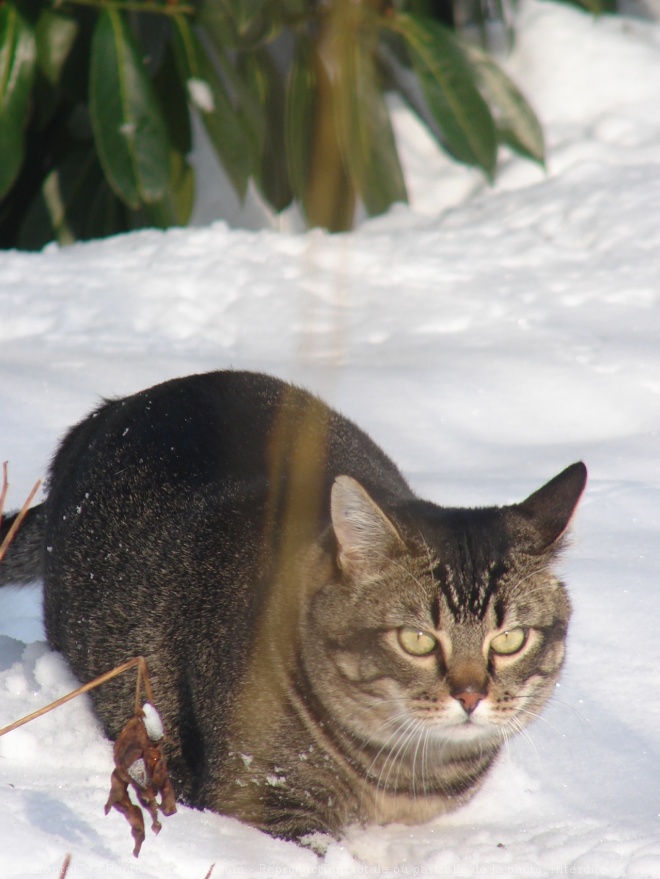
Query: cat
x,y
325,648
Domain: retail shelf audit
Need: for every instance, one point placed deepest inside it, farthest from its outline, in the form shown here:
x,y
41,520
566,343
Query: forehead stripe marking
x,y
471,597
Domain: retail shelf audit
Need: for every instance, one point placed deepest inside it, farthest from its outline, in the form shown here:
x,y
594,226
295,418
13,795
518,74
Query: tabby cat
x,y
325,648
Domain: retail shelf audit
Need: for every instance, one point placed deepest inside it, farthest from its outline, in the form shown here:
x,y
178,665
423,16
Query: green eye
x,y
416,642
509,642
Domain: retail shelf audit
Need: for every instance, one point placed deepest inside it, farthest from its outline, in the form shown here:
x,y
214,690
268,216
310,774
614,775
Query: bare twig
x,y
136,6
65,867
139,759
208,875
143,680
5,486
16,524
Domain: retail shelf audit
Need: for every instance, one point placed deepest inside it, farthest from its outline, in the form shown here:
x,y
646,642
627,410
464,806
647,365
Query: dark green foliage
x,y
451,88
18,55
96,98
129,129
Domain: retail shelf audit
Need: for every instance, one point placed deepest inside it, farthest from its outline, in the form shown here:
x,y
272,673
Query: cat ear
x,y
549,510
364,533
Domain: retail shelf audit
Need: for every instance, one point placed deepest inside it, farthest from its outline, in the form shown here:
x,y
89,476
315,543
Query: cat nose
x,y
469,698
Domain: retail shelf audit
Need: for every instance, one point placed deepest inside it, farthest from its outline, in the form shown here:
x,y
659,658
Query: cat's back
x,y
223,428
190,487
190,429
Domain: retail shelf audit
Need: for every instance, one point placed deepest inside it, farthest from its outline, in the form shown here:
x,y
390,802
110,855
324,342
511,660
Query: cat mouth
x,y
467,730
469,725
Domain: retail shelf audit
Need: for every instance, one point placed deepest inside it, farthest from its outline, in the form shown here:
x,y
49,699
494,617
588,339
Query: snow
x,y
486,339
152,722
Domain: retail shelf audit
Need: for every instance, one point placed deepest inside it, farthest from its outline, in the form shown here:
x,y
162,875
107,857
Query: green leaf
x,y
207,94
175,208
596,7
244,13
18,57
171,91
516,122
448,81
106,214
299,117
217,24
294,10
239,24
367,138
249,83
55,34
152,33
264,83
63,209
246,82
129,129
182,193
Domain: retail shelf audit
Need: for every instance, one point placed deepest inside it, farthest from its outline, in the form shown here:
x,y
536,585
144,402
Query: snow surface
x,y
486,338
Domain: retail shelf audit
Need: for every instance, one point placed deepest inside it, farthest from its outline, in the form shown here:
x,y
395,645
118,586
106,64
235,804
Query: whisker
x,y
424,760
585,723
404,722
421,740
394,756
396,719
535,715
524,733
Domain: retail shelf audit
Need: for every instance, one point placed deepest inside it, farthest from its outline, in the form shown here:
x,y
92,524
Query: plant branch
x,y
5,486
16,524
142,680
170,8
65,867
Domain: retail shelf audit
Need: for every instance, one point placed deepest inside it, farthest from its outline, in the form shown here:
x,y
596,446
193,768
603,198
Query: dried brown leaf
x,y
139,760
140,764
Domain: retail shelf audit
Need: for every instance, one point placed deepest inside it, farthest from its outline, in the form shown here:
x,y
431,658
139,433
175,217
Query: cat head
x,y
449,622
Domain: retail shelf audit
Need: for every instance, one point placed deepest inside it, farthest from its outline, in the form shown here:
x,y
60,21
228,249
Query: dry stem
x,y
23,513
142,680
3,493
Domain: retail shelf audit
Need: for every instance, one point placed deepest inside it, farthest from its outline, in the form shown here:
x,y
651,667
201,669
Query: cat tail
x,y
23,561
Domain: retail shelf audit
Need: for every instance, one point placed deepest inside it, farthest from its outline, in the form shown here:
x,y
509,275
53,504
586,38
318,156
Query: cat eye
x,y
416,642
509,642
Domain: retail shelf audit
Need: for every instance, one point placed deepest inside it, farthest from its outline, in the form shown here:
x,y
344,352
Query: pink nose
x,y
469,699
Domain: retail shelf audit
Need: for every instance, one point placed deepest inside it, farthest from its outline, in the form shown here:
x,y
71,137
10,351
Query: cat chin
x,y
465,734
